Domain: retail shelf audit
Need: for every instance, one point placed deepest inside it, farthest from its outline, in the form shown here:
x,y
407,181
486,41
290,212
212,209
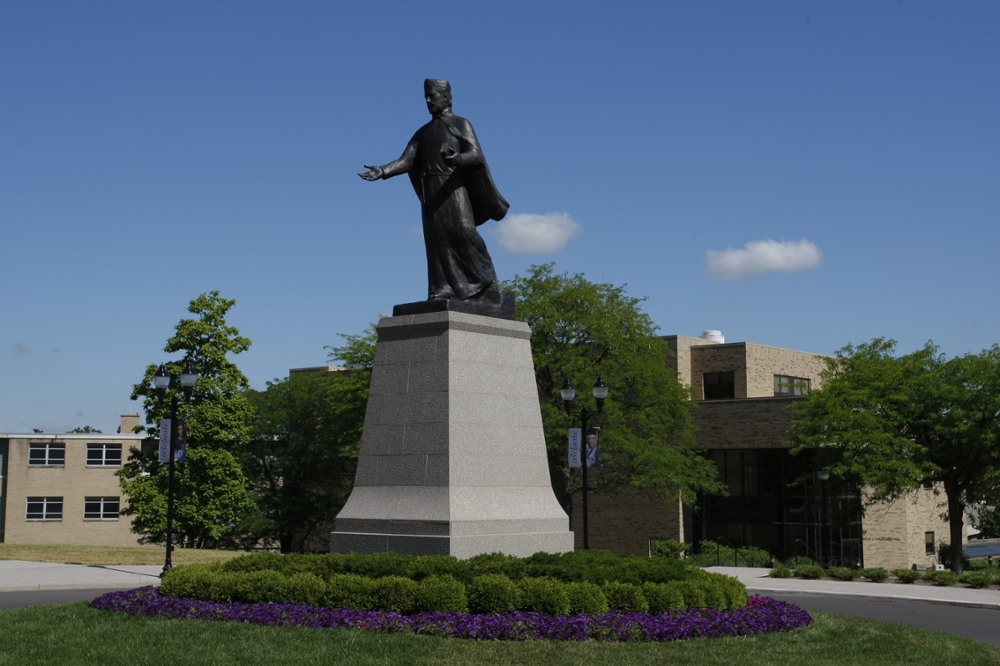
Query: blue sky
x,y
799,174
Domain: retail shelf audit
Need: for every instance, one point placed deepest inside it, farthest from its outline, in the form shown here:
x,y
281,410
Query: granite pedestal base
x,y
452,457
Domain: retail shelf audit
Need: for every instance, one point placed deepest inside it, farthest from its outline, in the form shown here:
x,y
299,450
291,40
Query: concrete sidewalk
x,y
17,576
757,581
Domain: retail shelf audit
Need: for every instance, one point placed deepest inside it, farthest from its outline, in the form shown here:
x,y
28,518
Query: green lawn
x,y
70,634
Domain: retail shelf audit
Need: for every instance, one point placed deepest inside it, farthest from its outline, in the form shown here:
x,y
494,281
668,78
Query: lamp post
x,y
161,381
824,476
568,394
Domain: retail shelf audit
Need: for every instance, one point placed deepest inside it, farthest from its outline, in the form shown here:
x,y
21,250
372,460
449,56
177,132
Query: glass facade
x,y
776,503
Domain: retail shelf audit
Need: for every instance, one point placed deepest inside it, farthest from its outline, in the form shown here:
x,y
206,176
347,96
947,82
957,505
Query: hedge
x,y
337,582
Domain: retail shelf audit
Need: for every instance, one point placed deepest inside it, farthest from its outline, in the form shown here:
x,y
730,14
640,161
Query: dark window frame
x,y
47,459
719,385
786,386
103,459
101,508
45,509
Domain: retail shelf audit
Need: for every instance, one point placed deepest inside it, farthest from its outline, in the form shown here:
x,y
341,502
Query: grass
x,y
109,555
71,634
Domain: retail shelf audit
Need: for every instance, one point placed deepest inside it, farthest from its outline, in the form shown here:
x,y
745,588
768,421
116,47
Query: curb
x,y
41,587
878,597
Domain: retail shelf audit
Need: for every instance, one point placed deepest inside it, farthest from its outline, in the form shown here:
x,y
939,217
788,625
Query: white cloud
x,y
526,233
22,347
767,256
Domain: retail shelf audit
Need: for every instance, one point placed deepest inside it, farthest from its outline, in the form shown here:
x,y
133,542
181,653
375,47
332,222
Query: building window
x,y
47,454
719,385
101,508
928,484
929,543
44,508
104,455
790,386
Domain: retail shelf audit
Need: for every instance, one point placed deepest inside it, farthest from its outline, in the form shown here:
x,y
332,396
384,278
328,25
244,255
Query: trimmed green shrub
x,y
483,564
942,578
376,565
875,574
625,597
303,588
663,597
395,594
841,573
424,566
492,593
907,575
585,597
712,554
543,595
798,561
668,548
192,581
350,591
441,593
693,593
780,571
809,572
979,579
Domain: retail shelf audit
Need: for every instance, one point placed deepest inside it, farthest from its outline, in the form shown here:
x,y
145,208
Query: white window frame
x,y
48,460
107,508
104,448
48,511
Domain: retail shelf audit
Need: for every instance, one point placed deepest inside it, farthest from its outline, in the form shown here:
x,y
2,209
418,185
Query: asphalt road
x,y
41,597
979,623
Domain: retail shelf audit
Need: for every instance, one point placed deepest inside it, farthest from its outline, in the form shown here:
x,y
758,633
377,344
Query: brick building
x,y
61,488
776,502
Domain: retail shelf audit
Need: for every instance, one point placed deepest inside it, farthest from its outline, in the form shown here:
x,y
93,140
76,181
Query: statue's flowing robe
x,y
454,201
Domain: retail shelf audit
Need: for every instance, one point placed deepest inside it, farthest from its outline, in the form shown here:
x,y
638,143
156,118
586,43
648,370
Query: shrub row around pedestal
x,y
552,585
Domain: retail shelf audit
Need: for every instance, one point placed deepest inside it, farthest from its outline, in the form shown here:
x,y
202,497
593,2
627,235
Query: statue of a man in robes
x,y
456,191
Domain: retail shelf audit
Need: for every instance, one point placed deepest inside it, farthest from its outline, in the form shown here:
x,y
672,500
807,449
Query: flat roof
x,y
73,435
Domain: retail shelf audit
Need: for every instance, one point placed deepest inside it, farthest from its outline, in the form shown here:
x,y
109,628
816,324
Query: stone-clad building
x,y
743,392
61,488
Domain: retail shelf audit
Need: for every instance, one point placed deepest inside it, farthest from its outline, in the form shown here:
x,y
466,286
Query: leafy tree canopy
x,y
86,428
210,496
892,422
218,414
303,449
581,329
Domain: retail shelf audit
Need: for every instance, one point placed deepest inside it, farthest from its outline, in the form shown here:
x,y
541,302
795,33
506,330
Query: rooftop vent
x,y
713,336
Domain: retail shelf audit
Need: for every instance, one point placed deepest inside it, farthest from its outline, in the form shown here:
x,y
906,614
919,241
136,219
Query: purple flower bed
x,y
761,616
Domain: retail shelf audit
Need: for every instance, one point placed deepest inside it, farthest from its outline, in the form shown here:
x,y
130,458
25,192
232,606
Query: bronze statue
x,y
456,191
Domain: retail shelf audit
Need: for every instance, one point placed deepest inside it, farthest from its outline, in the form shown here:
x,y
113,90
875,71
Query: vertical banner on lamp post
x,y
575,457
594,447
181,441
164,440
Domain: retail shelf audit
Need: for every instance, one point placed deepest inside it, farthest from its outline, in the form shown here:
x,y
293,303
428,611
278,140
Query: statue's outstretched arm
x,y
394,168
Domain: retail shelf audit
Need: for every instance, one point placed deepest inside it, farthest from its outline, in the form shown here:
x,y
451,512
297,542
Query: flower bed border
x,y
761,615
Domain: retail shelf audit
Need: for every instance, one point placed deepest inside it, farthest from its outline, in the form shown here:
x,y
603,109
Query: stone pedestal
x,y
452,457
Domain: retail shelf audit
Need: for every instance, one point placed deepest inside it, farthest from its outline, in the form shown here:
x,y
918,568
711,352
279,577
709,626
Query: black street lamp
x,y
161,381
568,394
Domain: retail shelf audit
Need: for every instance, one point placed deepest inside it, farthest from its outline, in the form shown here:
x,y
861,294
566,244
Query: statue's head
x,y
437,92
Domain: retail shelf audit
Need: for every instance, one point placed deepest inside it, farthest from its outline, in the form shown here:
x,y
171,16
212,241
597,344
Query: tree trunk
x,y
956,521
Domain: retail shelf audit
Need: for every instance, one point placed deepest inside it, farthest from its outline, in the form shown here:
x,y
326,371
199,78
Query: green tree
x,y
893,422
219,412
85,428
218,428
210,494
303,450
988,522
581,329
